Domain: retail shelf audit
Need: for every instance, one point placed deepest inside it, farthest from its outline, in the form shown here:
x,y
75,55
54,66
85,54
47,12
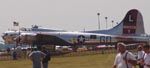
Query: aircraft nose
x,y
9,38
5,35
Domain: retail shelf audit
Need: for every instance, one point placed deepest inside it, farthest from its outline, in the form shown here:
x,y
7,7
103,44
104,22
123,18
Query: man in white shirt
x,y
146,59
140,55
124,59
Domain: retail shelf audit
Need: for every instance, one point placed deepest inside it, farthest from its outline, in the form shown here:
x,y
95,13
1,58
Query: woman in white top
x,y
146,59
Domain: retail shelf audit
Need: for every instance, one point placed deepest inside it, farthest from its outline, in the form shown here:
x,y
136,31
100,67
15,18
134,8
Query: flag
x,y
15,23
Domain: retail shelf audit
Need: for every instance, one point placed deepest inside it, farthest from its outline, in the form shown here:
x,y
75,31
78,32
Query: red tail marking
x,y
129,25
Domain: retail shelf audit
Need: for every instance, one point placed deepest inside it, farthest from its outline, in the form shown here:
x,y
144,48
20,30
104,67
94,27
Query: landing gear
x,y
74,48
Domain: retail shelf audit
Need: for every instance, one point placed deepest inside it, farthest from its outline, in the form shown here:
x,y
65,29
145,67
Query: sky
x,y
71,15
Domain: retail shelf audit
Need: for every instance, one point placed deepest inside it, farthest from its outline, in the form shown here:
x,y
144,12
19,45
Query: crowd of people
x,y
126,59
39,56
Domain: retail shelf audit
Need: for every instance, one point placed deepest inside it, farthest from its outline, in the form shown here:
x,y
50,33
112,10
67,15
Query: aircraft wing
x,y
50,39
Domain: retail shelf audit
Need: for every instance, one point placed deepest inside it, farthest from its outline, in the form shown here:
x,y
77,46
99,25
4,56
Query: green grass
x,y
87,61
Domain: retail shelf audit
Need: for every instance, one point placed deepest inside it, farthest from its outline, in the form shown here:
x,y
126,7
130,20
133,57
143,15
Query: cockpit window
x,y
25,29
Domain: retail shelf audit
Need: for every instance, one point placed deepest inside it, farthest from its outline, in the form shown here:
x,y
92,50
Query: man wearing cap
x,y
124,59
36,57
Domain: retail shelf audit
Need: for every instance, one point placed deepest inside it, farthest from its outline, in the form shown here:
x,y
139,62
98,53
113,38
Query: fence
x,y
23,53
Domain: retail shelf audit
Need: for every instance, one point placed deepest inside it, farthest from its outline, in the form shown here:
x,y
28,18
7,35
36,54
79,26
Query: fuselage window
x,y
93,36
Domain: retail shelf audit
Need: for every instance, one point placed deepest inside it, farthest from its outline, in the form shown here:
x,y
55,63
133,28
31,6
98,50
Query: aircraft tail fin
x,y
132,24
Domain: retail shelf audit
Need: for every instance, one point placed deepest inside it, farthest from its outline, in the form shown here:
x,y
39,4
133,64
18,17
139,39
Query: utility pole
x,y
98,14
112,23
106,21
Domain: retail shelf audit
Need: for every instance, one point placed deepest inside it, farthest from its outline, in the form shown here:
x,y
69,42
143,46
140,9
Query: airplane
x,y
130,30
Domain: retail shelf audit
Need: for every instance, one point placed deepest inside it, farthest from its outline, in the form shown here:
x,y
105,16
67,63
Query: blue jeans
x,y
45,65
36,64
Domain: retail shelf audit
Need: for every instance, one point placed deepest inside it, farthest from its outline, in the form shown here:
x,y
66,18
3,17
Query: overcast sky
x,y
72,15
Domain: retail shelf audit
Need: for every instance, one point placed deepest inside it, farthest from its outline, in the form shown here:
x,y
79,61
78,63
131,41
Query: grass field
x,y
87,61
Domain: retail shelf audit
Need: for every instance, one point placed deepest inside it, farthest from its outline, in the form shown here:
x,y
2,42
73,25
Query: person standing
x,y
28,52
146,59
14,54
47,58
36,57
8,50
124,59
140,55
